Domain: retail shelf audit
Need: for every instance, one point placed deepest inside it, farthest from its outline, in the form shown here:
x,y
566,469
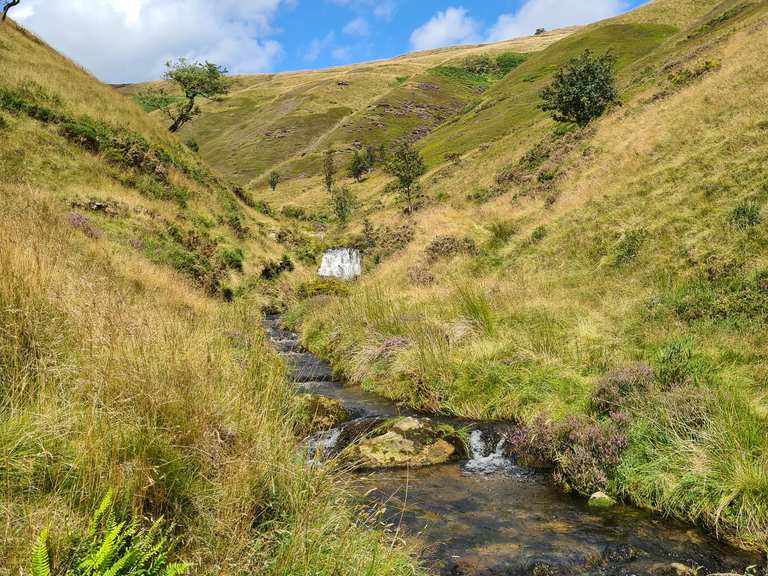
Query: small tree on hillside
x,y
329,170
370,157
358,167
407,165
342,202
583,89
196,80
274,180
7,5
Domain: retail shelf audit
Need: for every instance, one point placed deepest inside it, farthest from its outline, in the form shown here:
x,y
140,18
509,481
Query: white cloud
x,y
342,54
552,14
383,9
317,46
449,27
130,40
357,27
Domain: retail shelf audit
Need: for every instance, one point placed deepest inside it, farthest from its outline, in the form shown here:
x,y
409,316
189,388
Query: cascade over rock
x,y
341,263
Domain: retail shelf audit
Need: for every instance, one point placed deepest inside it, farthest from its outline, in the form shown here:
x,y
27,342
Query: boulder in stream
x,y
407,442
320,413
601,500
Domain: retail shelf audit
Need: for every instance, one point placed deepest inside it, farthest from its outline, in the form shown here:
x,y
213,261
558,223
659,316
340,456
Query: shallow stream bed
x,y
487,516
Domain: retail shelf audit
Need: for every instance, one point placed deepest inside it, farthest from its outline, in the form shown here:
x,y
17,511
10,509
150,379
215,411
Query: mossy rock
x,y
320,413
601,500
407,442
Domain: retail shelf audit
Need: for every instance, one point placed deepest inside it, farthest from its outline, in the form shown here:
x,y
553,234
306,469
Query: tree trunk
x,y
183,116
8,6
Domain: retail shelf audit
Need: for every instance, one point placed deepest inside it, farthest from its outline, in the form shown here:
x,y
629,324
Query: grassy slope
x,y
286,121
117,373
638,250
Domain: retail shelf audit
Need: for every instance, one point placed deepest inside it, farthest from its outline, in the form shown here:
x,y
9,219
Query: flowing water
x,y
488,516
342,263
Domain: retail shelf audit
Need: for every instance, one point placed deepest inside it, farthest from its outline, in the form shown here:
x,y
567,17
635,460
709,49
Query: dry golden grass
x,y
116,373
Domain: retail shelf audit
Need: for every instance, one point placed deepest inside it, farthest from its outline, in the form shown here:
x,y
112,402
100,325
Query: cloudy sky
x,y
130,40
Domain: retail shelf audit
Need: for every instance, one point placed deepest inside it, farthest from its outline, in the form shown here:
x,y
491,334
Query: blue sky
x,y
130,40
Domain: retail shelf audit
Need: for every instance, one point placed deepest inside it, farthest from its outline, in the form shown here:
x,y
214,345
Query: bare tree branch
x,y
7,6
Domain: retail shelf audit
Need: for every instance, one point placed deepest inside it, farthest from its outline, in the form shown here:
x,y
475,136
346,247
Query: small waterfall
x,y
320,446
485,460
341,263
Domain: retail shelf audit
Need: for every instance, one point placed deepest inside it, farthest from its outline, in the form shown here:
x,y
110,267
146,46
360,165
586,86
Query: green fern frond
x,y
106,502
127,559
106,550
176,569
41,564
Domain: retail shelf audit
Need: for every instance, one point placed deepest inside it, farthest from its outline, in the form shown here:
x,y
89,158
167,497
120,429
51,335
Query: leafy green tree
x,y
329,170
196,80
152,99
358,166
407,165
342,202
274,180
7,5
371,159
583,89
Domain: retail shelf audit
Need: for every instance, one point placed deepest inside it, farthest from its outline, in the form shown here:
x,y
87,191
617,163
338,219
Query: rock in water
x,y
406,442
341,263
321,413
601,500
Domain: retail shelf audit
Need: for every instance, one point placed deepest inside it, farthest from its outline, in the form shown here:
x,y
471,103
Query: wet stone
x,y
406,442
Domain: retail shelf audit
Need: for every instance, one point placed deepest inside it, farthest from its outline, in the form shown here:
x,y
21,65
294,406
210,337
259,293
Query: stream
x,y
488,516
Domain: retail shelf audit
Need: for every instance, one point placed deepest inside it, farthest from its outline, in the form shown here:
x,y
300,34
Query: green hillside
x,y
605,288
606,282
122,368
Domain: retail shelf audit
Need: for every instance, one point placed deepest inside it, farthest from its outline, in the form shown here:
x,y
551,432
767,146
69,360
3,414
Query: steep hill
x,y
605,284
286,121
122,369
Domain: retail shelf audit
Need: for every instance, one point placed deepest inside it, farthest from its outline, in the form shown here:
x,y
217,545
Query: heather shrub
x,y
582,451
448,247
618,386
272,269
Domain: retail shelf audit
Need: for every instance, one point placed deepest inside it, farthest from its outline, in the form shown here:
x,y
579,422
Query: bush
x,y
274,269
192,144
342,203
501,232
583,89
263,207
619,386
294,212
274,180
583,451
83,133
685,76
745,215
448,247
537,235
232,258
322,287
